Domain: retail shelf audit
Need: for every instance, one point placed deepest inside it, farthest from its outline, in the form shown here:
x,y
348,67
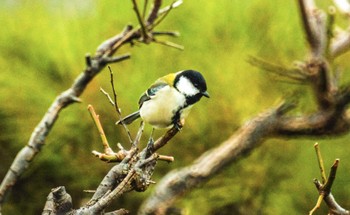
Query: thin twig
x,y
114,92
166,33
324,188
170,44
109,60
166,158
318,204
138,135
140,20
154,12
144,9
331,177
320,163
169,7
112,157
163,16
115,98
108,96
95,117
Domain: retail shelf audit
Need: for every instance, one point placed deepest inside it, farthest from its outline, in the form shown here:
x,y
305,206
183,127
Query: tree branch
x,y
330,118
58,202
313,24
178,182
324,188
94,65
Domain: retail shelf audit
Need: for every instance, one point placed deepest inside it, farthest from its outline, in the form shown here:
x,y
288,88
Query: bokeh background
x,y
42,49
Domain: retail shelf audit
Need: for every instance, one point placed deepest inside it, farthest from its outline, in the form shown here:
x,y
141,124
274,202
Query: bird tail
x,y
129,118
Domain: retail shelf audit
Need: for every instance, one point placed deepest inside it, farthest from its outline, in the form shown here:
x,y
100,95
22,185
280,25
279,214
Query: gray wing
x,y
144,97
151,92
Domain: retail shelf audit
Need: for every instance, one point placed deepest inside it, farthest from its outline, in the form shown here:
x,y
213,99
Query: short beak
x,y
206,94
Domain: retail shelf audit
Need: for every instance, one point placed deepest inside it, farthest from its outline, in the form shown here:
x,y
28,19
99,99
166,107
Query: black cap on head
x,y
197,80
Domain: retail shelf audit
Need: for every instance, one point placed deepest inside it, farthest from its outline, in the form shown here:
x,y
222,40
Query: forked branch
x,y
330,118
94,65
324,188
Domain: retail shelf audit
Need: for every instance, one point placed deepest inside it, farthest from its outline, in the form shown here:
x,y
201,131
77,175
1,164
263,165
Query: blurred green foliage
x,y
42,49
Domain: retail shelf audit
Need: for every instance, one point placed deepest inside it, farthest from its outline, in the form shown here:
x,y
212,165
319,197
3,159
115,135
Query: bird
x,y
168,101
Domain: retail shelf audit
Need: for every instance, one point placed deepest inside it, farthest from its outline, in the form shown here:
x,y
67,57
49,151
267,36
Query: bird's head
x,y
192,84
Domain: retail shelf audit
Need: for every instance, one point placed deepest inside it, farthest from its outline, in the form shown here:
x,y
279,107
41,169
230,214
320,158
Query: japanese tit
x,y
169,100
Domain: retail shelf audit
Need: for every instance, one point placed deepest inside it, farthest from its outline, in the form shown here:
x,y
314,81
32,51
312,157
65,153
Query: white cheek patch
x,y
186,87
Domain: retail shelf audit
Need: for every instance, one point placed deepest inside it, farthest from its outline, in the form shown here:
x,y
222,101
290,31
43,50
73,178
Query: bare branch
x,y
109,43
320,162
318,203
108,97
341,41
154,12
324,188
113,177
166,33
170,44
165,138
95,117
123,187
109,60
340,45
144,9
175,4
116,106
94,65
330,118
307,7
58,202
144,32
178,182
272,123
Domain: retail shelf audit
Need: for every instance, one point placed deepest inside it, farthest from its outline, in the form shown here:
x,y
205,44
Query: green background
x,y
42,49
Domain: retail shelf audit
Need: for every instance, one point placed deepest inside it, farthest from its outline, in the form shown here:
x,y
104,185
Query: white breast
x,y
160,109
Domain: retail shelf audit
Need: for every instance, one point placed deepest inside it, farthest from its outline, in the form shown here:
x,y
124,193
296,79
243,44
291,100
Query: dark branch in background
x,y
94,64
136,167
329,119
154,12
306,9
342,42
176,183
141,22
